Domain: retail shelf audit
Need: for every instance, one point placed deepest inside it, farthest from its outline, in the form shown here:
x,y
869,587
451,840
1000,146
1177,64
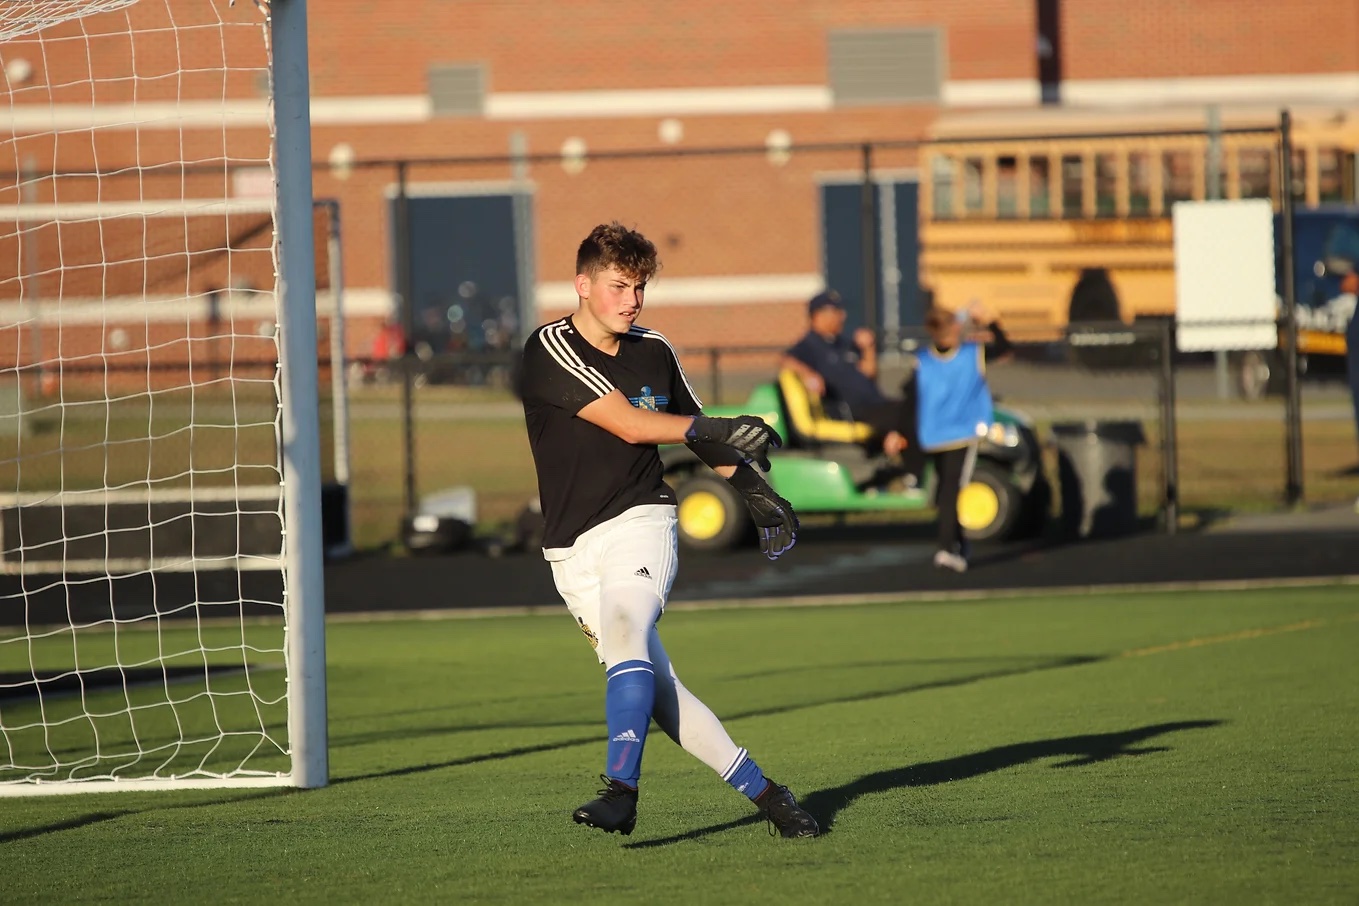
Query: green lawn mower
x,y
825,467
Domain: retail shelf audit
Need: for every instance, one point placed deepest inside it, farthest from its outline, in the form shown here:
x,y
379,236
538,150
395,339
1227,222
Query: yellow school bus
x,y
1064,215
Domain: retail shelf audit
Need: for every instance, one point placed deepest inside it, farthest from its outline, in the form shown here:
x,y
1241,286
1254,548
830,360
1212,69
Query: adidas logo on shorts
x,y
643,572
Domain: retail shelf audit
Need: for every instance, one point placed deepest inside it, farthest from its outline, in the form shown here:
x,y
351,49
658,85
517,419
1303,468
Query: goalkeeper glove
x,y
773,516
746,434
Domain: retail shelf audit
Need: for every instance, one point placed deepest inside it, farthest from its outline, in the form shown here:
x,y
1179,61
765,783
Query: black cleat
x,y
777,804
614,810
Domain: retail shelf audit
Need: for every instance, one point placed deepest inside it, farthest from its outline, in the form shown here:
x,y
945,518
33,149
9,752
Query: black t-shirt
x,y
585,474
837,361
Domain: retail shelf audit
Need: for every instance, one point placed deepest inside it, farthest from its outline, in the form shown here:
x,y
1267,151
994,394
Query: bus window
x,y
1332,167
1299,175
973,197
1073,189
1220,190
941,182
1178,167
1256,180
1106,185
1007,187
1040,187
1139,183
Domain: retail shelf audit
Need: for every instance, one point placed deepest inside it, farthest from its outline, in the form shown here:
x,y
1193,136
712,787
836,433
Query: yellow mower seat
x,y
809,421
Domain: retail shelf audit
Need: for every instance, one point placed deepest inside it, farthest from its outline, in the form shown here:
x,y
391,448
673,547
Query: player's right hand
x,y
747,434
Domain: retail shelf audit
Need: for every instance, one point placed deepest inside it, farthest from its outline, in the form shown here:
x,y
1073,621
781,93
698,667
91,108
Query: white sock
x,y
687,720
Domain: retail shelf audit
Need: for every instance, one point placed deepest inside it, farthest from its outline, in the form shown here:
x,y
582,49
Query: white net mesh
x,y
141,520
27,17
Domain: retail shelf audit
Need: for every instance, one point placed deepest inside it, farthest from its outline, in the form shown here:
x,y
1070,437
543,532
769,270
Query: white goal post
x,y
161,532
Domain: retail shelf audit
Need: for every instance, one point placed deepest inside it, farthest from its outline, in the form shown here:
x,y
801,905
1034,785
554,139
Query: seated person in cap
x,y
844,373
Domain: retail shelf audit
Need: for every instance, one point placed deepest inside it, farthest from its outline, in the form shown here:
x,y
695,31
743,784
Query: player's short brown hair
x,y
614,245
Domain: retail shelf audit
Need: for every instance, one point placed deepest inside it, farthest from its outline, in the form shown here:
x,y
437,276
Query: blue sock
x,y
745,776
628,700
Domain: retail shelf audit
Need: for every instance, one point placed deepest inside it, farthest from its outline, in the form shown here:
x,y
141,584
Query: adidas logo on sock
x,y
626,736
643,572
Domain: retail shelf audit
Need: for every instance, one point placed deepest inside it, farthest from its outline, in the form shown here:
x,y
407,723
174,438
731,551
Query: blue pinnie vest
x,y
954,402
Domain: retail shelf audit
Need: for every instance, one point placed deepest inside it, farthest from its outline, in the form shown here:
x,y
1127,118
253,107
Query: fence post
x,y
522,206
867,220
1293,400
404,289
715,374
1213,177
1170,472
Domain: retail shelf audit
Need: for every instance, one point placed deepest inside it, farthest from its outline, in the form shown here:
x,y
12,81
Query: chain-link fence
x,y
448,262
484,249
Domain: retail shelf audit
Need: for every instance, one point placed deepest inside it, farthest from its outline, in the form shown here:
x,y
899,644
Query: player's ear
x,y
583,286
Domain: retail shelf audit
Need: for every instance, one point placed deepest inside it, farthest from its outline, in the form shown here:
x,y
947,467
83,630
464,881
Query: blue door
x,y
896,238
842,250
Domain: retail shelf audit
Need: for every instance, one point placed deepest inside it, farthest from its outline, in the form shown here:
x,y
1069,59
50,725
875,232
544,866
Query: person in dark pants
x,y
1351,285
953,412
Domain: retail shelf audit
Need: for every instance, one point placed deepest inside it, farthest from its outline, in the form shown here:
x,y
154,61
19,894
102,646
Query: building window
x,y
887,66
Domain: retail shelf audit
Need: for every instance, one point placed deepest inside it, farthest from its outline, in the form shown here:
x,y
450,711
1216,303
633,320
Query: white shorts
x,y
638,549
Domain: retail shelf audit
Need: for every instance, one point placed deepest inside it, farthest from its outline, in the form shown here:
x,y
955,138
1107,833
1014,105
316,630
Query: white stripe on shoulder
x,y
561,351
650,334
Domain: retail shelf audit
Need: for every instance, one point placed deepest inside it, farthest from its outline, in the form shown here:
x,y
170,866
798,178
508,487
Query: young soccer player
x,y
599,394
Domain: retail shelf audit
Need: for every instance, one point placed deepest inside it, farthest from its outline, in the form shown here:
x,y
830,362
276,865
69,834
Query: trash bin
x,y
1097,474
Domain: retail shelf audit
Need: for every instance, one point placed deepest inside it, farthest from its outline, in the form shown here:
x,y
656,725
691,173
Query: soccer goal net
x,y
159,440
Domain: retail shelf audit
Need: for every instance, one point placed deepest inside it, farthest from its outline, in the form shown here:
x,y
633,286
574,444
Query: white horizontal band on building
x,y
761,99
377,302
685,291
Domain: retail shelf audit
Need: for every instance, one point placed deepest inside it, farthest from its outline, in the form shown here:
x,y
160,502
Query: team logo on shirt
x,y
649,400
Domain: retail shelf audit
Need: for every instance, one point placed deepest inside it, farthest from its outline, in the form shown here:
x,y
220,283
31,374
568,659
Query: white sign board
x,y
1224,275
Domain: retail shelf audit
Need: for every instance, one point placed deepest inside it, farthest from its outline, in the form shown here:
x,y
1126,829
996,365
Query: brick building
x,y
744,237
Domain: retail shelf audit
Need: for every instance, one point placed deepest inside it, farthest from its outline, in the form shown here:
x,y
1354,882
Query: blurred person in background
x,y
953,410
1351,285
843,373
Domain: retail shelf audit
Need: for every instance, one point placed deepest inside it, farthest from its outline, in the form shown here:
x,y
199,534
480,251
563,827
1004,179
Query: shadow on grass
x,y
824,803
1077,751
945,683
100,817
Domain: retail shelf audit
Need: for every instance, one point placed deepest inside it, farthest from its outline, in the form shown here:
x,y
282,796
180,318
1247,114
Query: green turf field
x,y
1186,747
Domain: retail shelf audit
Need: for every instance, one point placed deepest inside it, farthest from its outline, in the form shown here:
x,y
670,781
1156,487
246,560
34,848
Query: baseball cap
x,y
828,299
